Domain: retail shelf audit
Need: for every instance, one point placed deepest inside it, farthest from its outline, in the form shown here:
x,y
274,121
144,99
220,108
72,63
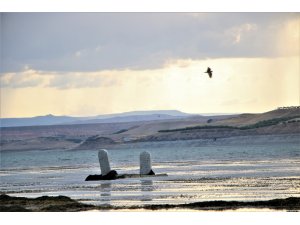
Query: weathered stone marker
x,y
108,174
104,162
145,164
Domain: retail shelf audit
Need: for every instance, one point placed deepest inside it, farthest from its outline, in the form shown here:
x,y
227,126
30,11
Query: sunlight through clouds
x,y
78,64
257,84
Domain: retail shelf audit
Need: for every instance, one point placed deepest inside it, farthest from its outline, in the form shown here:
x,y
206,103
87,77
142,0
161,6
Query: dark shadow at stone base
x,y
112,175
151,173
122,176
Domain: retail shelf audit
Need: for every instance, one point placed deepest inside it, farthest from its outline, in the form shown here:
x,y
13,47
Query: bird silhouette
x,y
209,71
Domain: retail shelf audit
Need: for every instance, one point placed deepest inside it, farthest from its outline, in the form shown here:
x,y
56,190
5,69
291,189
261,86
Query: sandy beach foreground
x,y
66,204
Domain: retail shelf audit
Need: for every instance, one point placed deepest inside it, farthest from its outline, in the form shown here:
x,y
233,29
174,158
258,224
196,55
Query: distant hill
x,y
131,118
94,142
248,119
186,127
109,118
150,112
36,121
279,121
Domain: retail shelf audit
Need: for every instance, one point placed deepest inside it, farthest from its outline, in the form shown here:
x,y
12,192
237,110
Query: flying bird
x,y
209,71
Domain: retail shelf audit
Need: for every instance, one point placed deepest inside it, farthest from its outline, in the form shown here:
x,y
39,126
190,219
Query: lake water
x,y
239,168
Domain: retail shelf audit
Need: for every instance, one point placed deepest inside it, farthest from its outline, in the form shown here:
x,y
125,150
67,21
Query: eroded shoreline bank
x,y
66,204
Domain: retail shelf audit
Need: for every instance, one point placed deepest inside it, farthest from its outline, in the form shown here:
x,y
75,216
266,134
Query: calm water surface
x,y
243,168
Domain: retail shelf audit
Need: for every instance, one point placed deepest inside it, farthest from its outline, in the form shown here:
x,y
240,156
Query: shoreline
x,y
66,204
205,141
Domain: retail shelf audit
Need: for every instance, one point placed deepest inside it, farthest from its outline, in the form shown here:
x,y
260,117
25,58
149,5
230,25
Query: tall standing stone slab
x,y
145,164
104,162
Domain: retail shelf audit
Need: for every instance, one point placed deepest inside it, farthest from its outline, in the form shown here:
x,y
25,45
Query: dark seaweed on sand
x,y
66,204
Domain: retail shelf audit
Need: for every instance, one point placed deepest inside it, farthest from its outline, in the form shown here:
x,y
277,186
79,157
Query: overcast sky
x,y
95,63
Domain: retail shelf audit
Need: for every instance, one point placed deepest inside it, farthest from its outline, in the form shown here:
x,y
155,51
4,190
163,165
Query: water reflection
x,y
105,189
146,187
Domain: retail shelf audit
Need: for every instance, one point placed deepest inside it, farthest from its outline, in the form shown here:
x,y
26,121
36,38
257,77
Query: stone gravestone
x,y
145,164
104,162
106,172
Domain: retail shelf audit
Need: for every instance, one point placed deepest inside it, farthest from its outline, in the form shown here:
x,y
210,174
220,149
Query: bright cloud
x,y
30,78
238,85
238,32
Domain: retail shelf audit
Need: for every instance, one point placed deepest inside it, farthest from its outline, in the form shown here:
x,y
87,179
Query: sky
x,y
85,64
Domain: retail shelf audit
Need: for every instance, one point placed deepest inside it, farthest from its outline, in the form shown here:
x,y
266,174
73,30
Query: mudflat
x,y
66,204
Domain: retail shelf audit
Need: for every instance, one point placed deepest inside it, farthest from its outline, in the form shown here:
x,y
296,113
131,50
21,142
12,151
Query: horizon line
x,y
137,111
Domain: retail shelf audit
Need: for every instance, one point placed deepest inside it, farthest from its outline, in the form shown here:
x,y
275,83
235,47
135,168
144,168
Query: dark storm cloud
x,y
100,41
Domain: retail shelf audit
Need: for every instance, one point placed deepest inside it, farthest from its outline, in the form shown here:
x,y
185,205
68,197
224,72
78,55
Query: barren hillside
x,y
280,121
247,119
